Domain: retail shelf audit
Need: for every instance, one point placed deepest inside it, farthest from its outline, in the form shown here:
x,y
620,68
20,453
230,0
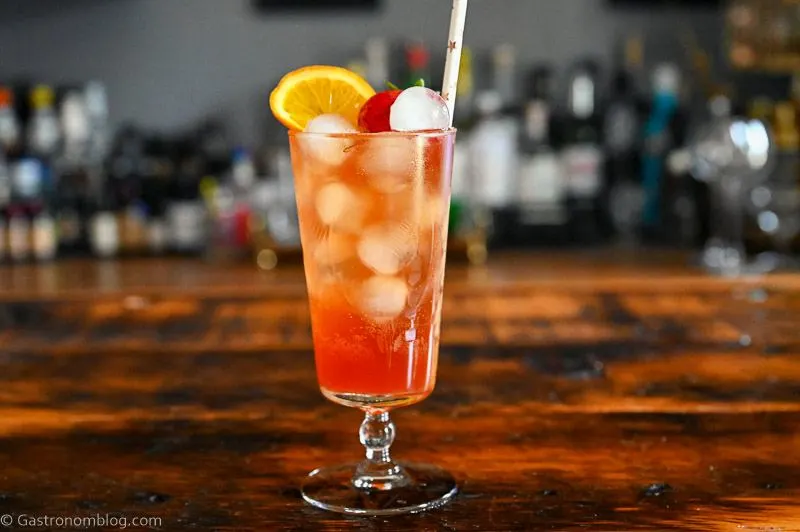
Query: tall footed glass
x,y
373,214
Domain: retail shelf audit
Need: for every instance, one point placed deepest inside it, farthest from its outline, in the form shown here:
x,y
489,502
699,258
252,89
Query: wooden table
x,y
575,392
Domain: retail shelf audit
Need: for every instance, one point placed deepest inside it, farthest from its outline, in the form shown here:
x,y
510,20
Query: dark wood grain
x,y
575,392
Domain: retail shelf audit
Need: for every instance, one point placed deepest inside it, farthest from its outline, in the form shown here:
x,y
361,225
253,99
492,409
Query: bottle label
x,y
494,162
26,177
186,221
19,241
582,97
44,133
104,234
157,235
9,129
626,204
69,227
582,165
460,182
537,121
134,228
542,191
5,185
620,129
3,240
44,237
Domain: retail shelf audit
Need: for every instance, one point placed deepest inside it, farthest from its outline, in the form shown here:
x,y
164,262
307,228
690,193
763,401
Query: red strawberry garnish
x,y
374,115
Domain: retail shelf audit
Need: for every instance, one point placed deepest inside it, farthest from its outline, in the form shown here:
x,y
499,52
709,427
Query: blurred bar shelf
x,y
764,35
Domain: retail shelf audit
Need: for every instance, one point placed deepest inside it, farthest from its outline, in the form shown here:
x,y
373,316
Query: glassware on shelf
x,y
276,233
776,202
732,155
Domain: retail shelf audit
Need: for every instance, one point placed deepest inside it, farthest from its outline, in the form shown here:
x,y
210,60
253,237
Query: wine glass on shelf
x,y
776,208
732,155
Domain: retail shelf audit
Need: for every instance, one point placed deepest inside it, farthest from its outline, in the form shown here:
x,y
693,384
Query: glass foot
x,y
740,267
332,489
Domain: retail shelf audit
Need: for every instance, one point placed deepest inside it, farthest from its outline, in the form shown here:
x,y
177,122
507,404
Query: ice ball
x,y
331,151
334,249
383,298
419,109
339,207
391,164
386,250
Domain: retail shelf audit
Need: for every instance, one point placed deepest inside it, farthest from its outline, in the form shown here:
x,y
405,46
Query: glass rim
x,y
428,134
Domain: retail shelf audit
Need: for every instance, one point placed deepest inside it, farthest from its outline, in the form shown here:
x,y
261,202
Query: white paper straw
x,y
452,64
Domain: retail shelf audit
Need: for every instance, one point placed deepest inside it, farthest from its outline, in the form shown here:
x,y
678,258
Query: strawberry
x,y
374,115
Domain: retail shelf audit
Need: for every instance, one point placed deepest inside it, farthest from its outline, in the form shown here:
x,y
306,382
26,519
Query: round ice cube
x,y
419,109
391,163
334,249
387,250
330,124
328,150
383,298
433,211
339,207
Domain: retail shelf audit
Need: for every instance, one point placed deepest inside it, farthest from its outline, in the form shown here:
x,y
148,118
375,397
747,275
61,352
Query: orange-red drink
x,y
373,214
372,175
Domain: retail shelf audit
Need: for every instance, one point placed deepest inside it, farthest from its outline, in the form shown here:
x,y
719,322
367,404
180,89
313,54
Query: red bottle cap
x,y
6,97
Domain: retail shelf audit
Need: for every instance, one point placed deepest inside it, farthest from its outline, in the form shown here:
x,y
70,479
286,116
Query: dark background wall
x,y
168,63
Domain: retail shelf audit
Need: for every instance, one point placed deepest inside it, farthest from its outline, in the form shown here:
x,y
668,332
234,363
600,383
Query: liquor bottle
x,y
10,135
417,63
465,91
75,127
464,121
493,166
19,233
157,225
44,134
34,177
44,242
794,91
541,197
104,237
582,156
157,173
239,187
126,168
622,141
73,182
783,221
663,132
132,215
377,62
5,202
96,102
186,214
504,78
282,220
71,202
26,183
215,148
44,233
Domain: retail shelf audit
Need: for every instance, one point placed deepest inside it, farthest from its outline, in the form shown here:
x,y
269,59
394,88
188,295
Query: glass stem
x,y
378,471
728,224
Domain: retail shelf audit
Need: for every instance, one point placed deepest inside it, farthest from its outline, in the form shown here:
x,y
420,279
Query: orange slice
x,y
304,94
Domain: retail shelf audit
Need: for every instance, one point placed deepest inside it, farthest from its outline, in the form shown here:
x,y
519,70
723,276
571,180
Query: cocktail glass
x,y
373,212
